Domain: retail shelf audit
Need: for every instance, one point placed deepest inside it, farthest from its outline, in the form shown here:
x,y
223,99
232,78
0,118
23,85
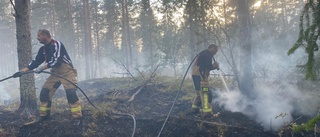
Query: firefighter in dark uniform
x,y
201,71
54,55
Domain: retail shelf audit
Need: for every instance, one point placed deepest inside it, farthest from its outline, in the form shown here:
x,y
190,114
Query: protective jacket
x,y
203,63
53,53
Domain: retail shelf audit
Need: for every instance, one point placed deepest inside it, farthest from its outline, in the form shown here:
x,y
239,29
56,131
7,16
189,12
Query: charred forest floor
x,y
142,116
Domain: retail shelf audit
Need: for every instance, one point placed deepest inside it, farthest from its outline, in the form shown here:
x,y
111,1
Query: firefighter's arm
x,y
216,65
24,69
37,61
41,68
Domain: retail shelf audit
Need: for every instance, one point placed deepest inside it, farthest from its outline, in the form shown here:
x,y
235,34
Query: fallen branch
x,y
138,91
153,74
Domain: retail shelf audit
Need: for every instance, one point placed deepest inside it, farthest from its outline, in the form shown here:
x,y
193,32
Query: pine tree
x,y
27,84
308,36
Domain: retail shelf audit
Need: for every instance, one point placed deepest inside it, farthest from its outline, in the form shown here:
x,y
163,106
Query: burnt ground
x,y
149,108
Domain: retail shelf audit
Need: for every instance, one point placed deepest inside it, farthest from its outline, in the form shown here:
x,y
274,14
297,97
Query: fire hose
x,y
51,73
175,99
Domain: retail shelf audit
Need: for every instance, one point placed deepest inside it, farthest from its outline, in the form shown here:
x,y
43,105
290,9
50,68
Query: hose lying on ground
x,y
134,122
175,99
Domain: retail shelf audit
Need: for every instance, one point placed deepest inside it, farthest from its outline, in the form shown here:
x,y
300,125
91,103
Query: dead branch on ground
x,y
153,74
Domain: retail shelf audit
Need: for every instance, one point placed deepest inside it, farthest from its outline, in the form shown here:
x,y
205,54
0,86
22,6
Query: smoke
x,y
4,94
273,107
278,99
280,93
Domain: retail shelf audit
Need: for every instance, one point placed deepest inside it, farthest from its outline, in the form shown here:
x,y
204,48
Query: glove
x,y
216,65
17,74
38,70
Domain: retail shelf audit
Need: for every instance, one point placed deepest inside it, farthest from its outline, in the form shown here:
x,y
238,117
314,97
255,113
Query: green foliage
x,y
308,36
307,126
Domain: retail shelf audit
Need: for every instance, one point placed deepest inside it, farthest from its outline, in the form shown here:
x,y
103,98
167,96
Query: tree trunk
x,y
284,16
125,34
224,13
203,23
53,18
149,33
87,39
97,59
111,19
27,84
192,27
128,36
245,82
71,35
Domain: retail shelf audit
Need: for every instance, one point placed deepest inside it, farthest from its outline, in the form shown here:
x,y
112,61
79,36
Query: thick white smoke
x,y
274,105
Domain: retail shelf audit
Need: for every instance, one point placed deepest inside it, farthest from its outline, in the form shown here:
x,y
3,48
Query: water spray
x,y
224,82
221,76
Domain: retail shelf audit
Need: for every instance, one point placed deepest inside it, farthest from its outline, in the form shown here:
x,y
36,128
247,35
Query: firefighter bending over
x,y
201,71
54,55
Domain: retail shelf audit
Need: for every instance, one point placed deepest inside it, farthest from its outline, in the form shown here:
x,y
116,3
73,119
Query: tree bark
x,y
27,84
245,82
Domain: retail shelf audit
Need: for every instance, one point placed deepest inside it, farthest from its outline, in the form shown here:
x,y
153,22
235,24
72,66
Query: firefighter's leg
x,y
73,100
74,103
206,106
196,103
210,96
46,93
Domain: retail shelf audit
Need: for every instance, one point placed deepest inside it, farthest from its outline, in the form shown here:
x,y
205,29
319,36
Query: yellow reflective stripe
x,y
206,107
204,89
207,110
76,109
44,108
205,101
194,106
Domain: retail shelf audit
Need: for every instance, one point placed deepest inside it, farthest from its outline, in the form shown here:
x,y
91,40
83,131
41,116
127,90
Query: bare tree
x,y
27,84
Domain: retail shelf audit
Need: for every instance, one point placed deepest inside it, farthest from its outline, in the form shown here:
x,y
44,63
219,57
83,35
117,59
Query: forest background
x,y
106,38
